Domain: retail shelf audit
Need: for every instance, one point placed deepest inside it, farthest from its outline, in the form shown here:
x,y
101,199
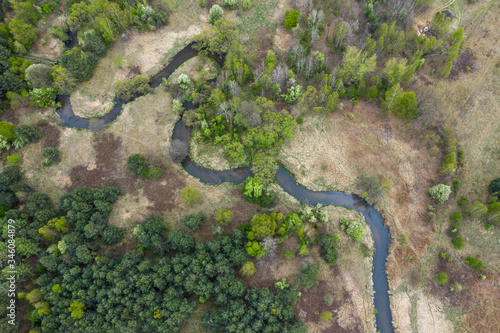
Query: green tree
x,y
81,64
263,226
25,134
216,13
77,309
476,209
292,19
440,192
328,244
194,221
353,228
39,76
248,269
128,89
190,196
217,39
137,163
394,70
493,215
43,97
64,81
223,216
23,33
494,186
355,65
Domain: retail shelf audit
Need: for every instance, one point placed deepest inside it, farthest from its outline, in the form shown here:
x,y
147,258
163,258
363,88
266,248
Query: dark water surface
x,y
285,179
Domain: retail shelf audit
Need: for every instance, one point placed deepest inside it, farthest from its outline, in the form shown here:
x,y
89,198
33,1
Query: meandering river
x,y
285,179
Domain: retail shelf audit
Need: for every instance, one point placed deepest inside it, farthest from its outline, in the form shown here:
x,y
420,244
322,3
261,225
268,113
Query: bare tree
x,y
225,109
234,89
177,151
279,75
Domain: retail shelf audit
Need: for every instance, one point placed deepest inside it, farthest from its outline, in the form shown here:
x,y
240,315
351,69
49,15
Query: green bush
x,y
254,249
202,3
51,155
458,242
456,184
128,89
194,221
328,243
457,217
442,278
494,186
353,228
14,159
476,209
247,4
80,64
309,276
215,14
223,216
7,130
112,235
292,19
137,163
289,254
475,263
440,192
325,315
153,173
462,202
230,4
190,196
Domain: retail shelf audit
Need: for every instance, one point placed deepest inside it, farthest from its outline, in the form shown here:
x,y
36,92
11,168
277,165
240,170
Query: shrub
x,y
328,299
309,276
190,196
215,14
325,315
7,131
456,184
462,202
458,242
223,216
43,97
247,4
194,221
300,121
440,192
328,243
353,228
230,4
39,75
442,278
51,155
248,269
14,159
281,284
475,263
292,19
128,89
118,63
137,163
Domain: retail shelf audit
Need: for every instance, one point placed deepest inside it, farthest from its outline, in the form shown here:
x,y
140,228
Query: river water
x,y
285,179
